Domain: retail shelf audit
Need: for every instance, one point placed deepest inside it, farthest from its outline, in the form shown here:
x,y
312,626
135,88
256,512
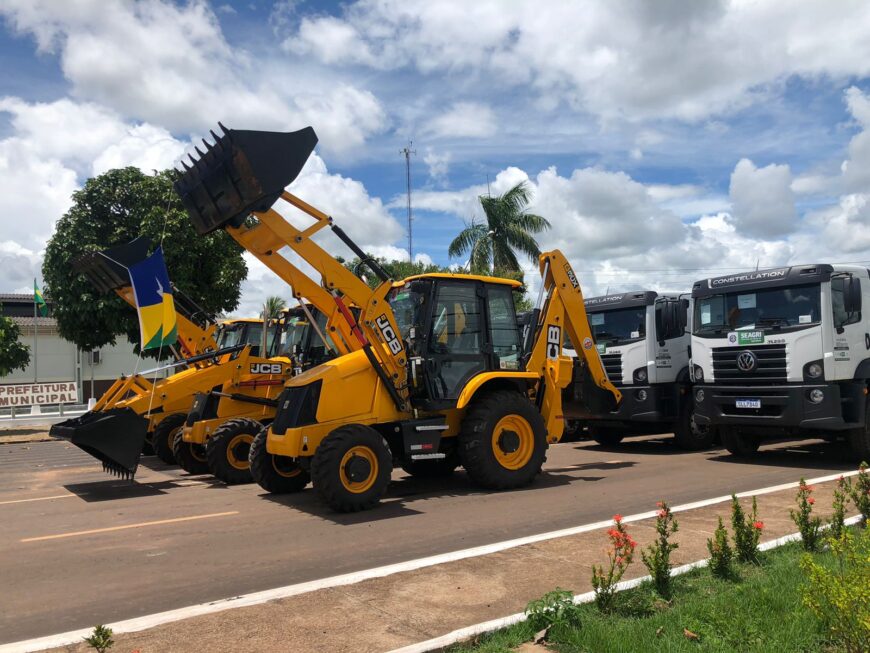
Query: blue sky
x,y
681,140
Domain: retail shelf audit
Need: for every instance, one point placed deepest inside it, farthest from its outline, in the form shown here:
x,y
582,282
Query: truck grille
x,y
613,367
770,367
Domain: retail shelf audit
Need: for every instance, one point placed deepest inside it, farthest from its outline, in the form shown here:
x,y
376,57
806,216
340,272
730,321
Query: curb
x,y
439,643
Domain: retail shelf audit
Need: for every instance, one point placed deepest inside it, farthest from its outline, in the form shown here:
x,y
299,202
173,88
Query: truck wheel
x,y
503,440
164,436
690,435
275,474
859,439
606,436
190,456
351,468
739,444
228,449
438,468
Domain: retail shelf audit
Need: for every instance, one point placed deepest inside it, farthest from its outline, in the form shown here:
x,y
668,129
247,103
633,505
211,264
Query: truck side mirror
x,y
852,295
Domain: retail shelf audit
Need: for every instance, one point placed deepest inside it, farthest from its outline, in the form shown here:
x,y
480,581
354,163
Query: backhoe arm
x,y
560,309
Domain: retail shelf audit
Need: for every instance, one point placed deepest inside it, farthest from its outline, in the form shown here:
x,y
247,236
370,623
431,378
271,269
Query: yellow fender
x,y
474,385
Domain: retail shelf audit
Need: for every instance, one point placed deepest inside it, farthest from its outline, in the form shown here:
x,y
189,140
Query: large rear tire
x,y
859,439
189,455
275,474
228,450
164,436
690,435
351,468
740,445
503,441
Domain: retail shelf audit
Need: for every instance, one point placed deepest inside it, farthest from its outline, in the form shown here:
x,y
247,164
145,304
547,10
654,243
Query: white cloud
x,y
463,120
438,165
619,59
762,199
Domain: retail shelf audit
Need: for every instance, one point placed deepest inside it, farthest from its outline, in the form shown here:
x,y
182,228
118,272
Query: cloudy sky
x,y
665,141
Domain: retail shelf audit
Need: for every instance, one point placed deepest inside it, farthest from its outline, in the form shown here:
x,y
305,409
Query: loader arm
x,y
245,173
562,310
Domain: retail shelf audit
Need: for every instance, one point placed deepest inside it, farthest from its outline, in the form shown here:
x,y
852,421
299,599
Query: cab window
x,y
504,332
838,301
456,320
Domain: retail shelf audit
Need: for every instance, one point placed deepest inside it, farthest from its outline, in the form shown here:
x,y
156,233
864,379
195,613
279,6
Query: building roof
x,y
40,321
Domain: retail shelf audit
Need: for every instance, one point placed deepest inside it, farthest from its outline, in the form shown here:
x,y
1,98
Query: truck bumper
x,y
784,408
644,403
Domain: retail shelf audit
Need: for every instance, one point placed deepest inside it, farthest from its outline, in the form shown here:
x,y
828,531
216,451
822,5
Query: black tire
x,y
606,436
437,468
690,435
275,474
739,444
228,450
164,436
492,463
859,439
351,468
189,455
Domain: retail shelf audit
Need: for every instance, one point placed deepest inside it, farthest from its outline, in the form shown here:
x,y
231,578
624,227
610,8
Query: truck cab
x,y
781,353
643,341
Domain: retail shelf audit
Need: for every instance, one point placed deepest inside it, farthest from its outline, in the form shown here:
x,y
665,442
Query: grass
x,y
761,611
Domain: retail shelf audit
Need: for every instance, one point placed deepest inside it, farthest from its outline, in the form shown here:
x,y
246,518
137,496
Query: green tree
x,y
396,269
492,245
13,354
115,208
272,307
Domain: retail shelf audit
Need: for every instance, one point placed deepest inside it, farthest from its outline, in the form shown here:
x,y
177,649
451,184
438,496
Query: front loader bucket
x,y
107,270
243,171
114,437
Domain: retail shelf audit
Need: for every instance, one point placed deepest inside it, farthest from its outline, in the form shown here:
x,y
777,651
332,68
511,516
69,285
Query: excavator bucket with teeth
x,y
241,172
107,270
114,437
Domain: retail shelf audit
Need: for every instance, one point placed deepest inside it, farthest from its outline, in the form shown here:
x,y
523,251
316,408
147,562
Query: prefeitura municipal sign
x,y
30,394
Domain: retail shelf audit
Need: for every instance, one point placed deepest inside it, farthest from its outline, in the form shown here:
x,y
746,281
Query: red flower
x,y
619,560
759,525
811,501
617,518
662,514
659,504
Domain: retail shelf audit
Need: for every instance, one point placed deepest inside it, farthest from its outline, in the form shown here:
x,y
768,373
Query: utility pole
x,y
407,152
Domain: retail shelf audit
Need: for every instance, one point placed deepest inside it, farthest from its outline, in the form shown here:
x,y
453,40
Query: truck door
x,y
849,329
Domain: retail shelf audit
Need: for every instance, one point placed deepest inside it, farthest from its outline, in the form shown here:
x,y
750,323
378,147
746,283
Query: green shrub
x,y
721,555
657,556
555,608
620,555
840,596
808,525
838,517
859,489
747,531
101,639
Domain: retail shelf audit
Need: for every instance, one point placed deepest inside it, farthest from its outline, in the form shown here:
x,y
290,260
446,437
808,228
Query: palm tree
x,y
493,245
272,308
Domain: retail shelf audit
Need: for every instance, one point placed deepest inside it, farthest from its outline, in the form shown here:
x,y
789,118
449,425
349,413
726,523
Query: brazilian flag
x,y
39,300
157,321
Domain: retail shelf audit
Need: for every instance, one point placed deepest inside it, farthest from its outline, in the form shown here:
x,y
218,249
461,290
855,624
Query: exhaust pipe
x,y
242,172
114,437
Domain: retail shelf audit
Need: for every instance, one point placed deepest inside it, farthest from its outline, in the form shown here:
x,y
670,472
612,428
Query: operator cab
x,y
244,332
455,327
298,339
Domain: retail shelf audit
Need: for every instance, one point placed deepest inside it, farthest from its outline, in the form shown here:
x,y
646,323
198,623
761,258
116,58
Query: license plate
x,y
748,403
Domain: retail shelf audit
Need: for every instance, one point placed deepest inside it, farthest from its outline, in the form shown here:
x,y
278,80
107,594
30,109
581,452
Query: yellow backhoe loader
x,y
444,375
137,410
223,422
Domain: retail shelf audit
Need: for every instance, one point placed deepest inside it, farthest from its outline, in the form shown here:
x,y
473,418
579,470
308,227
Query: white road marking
x,y
257,598
57,496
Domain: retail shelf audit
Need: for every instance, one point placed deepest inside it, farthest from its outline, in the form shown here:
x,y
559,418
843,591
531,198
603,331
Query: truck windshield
x,y
619,326
774,309
405,304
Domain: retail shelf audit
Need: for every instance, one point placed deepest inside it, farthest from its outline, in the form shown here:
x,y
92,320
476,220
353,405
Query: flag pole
x,y
35,327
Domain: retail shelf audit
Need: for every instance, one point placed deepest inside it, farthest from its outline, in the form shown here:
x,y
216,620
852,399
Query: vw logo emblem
x,y
746,361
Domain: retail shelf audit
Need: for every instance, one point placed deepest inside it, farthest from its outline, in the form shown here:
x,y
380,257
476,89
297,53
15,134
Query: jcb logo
x,y
266,368
571,276
389,334
554,342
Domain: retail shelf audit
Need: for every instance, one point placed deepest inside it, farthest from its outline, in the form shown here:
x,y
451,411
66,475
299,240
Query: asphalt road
x,y
170,539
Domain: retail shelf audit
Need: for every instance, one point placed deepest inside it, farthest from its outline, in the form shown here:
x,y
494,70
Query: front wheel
x,y
351,468
690,435
740,445
164,436
275,474
228,450
189,455
503,441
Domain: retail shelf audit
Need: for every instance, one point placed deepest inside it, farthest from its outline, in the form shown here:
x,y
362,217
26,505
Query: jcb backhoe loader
x,y
136,409
223,422
444,374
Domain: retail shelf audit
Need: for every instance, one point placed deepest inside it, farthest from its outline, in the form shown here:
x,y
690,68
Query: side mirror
x,y
852,295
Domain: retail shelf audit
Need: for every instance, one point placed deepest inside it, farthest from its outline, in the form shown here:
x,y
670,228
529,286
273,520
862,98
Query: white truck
x,y
783,352
643,340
